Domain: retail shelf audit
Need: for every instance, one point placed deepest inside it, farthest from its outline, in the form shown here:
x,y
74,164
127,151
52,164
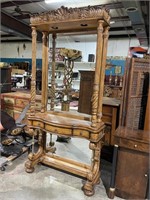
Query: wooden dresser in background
x,y
5,79
14,102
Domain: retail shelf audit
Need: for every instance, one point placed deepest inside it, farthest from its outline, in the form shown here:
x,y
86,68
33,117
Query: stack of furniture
x,y
130,172
96,20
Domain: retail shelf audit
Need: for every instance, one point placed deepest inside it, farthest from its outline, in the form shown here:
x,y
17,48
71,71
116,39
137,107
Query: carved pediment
x,y
71,14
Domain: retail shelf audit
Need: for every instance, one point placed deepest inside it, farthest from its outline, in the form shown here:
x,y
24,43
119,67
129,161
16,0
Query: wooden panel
x,y
131,174
134,145
86,89
22,102
9,101
136,93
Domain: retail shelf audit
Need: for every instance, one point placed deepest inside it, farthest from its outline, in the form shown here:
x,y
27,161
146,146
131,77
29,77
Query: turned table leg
x,y
34,158
93,177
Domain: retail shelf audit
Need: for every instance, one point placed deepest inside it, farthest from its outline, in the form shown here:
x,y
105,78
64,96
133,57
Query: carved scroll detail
x,y
64,13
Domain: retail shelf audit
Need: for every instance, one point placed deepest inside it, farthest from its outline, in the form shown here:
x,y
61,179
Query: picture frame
x,y
118,69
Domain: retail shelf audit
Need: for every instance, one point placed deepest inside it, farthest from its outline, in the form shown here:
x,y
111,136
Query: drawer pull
x,y
145,175
135,146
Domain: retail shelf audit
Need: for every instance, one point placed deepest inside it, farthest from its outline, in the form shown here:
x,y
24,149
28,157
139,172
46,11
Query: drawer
x,y
22,102
106,109
38,124
107,119
9,101
38,106
130,144
79,133
59,131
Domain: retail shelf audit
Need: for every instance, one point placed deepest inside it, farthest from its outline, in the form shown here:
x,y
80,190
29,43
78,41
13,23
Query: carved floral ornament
x,y
65,13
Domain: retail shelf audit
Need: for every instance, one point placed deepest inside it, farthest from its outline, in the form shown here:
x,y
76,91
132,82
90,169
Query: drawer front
x,y
80,133
9,101
59,131
107,119
106,109
38,124
38,106
22,102
10,112
130,144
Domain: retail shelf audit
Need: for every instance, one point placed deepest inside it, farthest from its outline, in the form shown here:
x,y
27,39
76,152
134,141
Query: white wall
x,y
116,47
16,50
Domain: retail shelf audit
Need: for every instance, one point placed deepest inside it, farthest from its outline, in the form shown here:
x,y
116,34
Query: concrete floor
x,y
50,184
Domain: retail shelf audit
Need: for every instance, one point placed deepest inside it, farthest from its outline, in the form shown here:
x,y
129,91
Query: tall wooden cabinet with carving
x,y
94,20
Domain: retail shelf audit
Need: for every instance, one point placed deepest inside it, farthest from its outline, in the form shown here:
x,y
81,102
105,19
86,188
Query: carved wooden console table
x,y
93,20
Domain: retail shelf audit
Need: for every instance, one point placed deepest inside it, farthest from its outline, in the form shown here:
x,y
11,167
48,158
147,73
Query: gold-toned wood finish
x,y
64,123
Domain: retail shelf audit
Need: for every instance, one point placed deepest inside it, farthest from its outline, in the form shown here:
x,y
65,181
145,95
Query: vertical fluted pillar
x,y
102,73
53,72
97,72
33,80
44,71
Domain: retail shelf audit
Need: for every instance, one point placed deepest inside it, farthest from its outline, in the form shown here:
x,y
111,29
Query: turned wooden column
x,y
33,80
53,72
44,71
97,72
102,73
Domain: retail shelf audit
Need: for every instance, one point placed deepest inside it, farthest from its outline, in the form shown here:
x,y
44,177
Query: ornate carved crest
x,y
65,13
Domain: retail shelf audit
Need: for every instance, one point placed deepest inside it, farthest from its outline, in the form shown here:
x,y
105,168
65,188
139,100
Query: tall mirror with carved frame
x,y
93,20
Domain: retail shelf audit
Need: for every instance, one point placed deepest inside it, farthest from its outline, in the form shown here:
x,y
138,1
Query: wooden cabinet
x,y
14,102
86,90
131,164
5,79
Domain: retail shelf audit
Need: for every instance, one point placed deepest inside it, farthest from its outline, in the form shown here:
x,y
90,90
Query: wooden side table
x,y
130,170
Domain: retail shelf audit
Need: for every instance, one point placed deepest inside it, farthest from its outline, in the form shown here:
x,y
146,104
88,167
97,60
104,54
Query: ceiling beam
x,y
15,3
134,11
17,26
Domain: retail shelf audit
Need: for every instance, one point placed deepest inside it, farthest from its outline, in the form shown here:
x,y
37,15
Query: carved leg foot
x,y
88,189
51,149
93,177
28,167
33,159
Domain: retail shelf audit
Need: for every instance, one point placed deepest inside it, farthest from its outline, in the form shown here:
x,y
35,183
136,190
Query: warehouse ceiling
x,y
128,18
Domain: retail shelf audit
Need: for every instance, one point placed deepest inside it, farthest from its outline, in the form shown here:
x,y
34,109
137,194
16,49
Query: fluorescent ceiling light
x,y
52,1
